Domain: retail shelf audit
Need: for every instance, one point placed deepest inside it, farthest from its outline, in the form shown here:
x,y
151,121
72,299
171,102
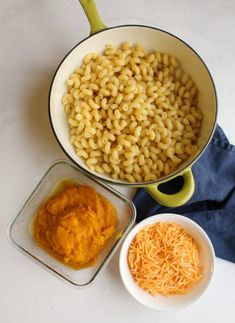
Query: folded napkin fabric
x,y
212,205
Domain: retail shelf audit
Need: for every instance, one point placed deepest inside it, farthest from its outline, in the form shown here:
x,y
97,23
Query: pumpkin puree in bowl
x,y
75,225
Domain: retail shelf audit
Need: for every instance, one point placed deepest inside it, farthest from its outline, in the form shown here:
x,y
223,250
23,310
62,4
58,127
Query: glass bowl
x,y
20,229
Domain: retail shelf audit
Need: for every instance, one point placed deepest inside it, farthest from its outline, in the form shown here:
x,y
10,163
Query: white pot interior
x,y
151,39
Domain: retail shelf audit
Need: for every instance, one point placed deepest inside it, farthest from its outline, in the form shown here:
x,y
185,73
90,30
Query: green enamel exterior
x,y
93,16
178,199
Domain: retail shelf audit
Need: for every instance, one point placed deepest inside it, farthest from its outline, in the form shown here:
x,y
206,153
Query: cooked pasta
x,y
125,98
164,259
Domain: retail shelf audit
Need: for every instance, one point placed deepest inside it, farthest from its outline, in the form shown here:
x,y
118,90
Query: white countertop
x,y
34,37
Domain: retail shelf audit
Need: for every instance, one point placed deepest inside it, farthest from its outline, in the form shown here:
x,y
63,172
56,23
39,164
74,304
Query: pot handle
x,y
179,198
93,16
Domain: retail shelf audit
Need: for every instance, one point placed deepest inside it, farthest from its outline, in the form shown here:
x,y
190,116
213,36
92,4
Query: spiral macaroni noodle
x,y
132,115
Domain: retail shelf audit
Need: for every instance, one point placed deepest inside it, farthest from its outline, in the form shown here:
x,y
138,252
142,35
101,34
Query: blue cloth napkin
x,y
212,205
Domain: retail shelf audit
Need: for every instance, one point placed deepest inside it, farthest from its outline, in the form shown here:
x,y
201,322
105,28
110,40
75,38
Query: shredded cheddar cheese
x,y
164,259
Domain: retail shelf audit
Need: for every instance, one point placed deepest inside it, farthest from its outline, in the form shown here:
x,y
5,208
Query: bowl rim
x,y
158,218
120,182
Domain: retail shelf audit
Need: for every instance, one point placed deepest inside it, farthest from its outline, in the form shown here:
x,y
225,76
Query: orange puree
x,y
75,225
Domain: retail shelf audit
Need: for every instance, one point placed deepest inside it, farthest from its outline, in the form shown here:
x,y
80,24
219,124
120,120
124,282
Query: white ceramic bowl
x,y
171,303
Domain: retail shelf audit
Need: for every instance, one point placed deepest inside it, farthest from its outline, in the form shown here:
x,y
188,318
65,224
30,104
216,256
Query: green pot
x,y
151,38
